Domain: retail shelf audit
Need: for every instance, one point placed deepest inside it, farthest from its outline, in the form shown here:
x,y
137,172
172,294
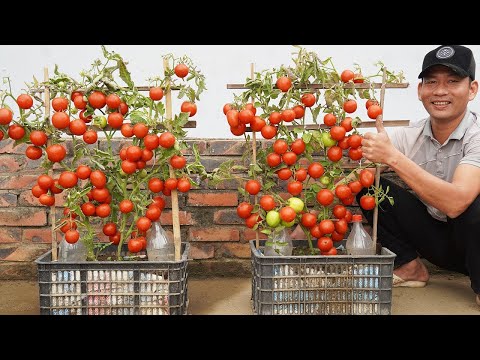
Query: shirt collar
x,y
458,133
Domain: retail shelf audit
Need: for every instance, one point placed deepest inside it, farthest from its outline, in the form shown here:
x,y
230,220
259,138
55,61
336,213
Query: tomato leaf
x,y
307,137
124,73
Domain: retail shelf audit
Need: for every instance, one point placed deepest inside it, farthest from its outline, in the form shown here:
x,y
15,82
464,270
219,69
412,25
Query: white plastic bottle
x,y
359,242
279,244
72,252
159,246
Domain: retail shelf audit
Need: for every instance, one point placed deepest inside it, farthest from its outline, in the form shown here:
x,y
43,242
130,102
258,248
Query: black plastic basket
x,y
321,285
113,287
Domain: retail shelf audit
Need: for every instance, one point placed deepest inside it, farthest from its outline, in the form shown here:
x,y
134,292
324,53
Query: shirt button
x,y
439,150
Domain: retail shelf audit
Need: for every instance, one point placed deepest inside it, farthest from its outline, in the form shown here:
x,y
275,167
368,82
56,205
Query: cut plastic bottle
x,y
72,252
359,242
159,246
279,244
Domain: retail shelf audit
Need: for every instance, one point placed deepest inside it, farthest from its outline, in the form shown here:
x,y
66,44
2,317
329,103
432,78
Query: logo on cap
x,y
445,52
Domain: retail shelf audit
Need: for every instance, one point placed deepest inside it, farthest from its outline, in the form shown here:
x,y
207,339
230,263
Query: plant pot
x,y
321,285
113,287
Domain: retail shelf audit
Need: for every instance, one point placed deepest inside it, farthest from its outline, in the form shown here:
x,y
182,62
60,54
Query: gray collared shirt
x,y
462,147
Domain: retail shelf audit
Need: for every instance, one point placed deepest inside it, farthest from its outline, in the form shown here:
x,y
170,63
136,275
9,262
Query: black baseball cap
x,y
457,57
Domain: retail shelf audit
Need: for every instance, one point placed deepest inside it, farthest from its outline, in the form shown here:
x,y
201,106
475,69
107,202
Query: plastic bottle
x,y
159,246
359,242
72,252
279,244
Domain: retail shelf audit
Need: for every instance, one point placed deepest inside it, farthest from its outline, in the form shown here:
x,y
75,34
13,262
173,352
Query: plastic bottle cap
x,y
356,218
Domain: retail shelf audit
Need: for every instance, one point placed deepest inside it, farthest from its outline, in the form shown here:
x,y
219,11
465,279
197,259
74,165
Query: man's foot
x,y
412,274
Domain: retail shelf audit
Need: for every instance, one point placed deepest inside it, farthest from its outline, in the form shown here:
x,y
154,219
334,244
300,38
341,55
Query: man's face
x,y
444,94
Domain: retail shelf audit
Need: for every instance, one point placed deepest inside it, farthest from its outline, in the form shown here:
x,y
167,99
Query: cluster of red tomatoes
x,y
133,158
288,160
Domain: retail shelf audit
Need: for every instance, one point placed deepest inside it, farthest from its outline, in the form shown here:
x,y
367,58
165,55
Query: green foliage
x,y
308,75
110,75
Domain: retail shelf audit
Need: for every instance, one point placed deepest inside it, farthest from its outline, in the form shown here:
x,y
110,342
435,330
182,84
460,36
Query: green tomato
x,y
100,121
325,180
288,225
273,218
74,111
143,174
327,139
296,204
122,173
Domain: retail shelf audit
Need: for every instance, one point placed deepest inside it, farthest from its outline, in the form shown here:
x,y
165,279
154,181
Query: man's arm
x,y
450,198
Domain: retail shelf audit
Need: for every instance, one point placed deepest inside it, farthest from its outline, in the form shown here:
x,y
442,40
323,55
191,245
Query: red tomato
x,y
267,202
284,83
324,244
253,187
366,178
367,202
316,170
325,197
244,210
347,75
295,187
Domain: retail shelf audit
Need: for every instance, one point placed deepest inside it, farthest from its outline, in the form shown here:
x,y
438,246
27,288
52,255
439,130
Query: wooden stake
x,y
50,172
175,211
254,157
377,172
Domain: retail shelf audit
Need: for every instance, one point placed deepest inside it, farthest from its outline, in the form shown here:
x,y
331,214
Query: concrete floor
x,y
446,294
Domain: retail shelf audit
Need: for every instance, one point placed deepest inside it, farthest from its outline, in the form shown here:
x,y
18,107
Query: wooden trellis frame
x,y
174,194
368,124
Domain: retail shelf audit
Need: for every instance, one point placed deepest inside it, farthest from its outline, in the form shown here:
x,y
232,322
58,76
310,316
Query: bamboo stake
x,y
175,212
50,172
377,172
254,157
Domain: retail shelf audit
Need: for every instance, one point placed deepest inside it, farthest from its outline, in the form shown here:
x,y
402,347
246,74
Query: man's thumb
x,y
379,125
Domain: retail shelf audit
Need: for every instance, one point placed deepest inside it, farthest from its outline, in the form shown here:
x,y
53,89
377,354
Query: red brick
x,y
7,200
10,163
25,253
6,251
8,182
9,235
249,234
225,185
235,250
201,251
22,216
229,217
184,217
212,199
27,199
40,235
7,147
226,147
214,234
60,199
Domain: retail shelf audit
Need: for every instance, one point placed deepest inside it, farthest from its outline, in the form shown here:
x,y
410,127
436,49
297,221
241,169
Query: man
x,y
439,159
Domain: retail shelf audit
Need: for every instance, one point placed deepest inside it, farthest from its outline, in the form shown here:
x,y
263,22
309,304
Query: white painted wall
x,y
224,64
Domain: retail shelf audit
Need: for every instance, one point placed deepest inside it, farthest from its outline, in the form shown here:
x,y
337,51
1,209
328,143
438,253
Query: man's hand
x,y
377,147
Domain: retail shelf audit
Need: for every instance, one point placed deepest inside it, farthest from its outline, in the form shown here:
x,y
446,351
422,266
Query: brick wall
x,y
218,237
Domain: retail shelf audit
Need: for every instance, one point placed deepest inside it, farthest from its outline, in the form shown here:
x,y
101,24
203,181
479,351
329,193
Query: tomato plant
x,y
106,192
304,157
